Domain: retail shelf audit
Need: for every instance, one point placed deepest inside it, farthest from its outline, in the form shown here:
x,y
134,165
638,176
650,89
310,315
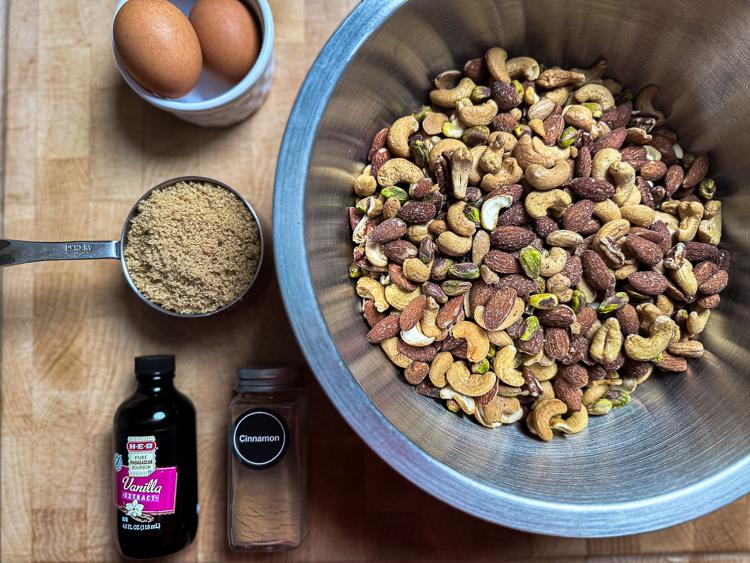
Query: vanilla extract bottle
x,y
155,463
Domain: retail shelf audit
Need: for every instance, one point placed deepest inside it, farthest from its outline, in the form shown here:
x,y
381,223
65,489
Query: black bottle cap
x,y
271,378
154,365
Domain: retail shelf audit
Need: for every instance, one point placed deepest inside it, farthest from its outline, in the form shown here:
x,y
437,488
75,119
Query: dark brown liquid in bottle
x,y
156,477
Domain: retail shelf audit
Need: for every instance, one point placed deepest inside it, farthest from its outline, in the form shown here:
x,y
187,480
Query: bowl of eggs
x,y
209,62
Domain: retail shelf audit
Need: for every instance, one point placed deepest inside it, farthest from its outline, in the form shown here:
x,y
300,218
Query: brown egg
x,y
158,47
230,38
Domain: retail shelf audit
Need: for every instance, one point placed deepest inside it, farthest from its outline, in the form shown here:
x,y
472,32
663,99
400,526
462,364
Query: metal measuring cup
x,y
14,252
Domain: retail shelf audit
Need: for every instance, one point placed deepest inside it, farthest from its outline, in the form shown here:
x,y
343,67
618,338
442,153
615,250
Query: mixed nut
x,y
532,244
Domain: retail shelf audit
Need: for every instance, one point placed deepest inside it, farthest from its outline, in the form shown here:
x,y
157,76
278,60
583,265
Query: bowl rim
x,y
426,472
252,77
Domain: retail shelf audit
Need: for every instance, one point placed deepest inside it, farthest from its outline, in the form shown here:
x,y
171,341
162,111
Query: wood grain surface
x,y
80,148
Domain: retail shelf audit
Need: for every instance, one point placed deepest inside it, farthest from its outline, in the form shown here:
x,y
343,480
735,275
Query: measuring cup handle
x,y
21,251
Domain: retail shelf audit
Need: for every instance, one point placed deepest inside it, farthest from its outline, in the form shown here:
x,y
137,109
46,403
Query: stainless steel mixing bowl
x,y
682,447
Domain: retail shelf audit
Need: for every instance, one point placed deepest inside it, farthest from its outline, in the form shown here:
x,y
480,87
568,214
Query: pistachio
x,y
464,271
614,302
530,326
482,367
420,114
600,407
568,137
354,271
395,192
544,301
707,188
531,261
578,301
619,398
420,152
452,288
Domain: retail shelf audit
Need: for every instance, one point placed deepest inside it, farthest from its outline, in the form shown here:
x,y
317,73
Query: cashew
x,y
482,114
615,229
475,176
476,338
579,117
669,220
429,321
709,230
644,102
647,314
602,161
399,170
573,424
515,313
445,145
607,211
416,270
491,210
525,154
542,416
448,98
482,418
365,185
623,176
433,123
559,285
495,59
510,173
697,320
374,253
547,178
415,337
553,261
554,152
564,239
537,203
390,347
467,404
606,342
685,278
469,384
399,133
498,144
369,288
480,247
691,214
461,163
522,67
439,367
543,373
398,298
501,410
503,367
595,93
640,215
644,349
452,244
415,233
499,338
559,95
594,73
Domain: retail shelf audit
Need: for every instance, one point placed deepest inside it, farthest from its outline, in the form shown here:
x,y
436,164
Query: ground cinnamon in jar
x,y
193,247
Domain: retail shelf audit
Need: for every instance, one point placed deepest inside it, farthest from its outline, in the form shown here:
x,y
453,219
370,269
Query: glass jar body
x,y
267,506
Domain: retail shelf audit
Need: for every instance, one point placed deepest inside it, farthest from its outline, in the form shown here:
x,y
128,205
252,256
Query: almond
x,y
421,188
379,159
372,315
511,238
553,128
597,372
545,226
378,143
573,270
661,144
612,140
505,96
672,363
653,170
561,316
412,313
624,113
400,250
583,163
480,294
578,351
647,198
567,393
556,343
635,156
586,318
666,237
649,283
416,212
577,216
450,312
592,188
485,399
575,374
628,319
502,262
523,285
617,363
595,270
498,308
699,251
715,283
532,383
388,230
646,252
697,172
396,273
504,122
415,372
534,344
417,353
428,389
515,216
705,270
709,301
673,179
385,329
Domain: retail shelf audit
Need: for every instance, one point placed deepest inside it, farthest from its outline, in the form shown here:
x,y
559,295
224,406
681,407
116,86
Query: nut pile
x,y
532,244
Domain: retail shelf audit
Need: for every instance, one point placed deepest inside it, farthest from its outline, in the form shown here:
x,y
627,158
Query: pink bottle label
x,y
143,489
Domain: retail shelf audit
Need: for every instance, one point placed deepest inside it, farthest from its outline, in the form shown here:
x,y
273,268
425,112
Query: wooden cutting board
x,y
80,148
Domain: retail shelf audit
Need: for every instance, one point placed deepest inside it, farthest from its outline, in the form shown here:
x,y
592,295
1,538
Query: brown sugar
x,y
193,247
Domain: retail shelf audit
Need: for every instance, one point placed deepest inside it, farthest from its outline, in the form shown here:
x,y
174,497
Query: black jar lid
x,y
154,365
269,378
